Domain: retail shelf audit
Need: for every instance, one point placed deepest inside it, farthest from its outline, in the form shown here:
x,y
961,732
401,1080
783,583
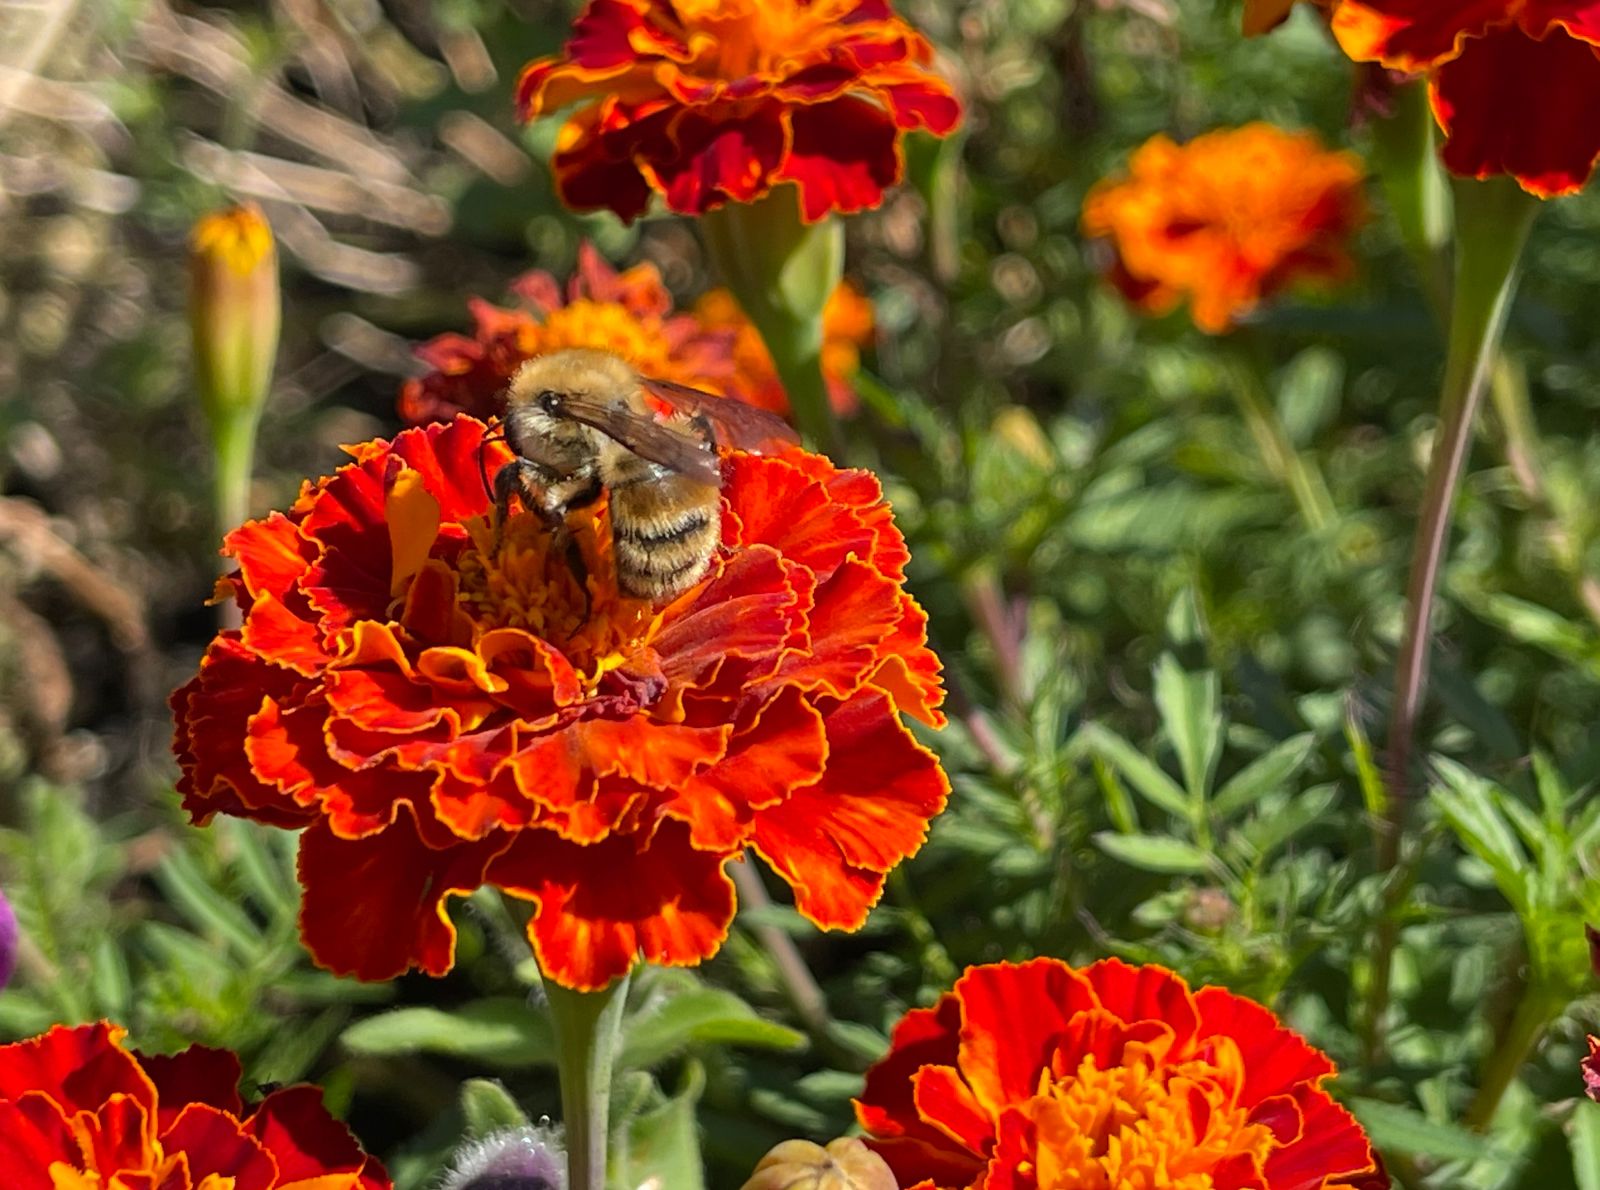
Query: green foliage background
x,y
1168,689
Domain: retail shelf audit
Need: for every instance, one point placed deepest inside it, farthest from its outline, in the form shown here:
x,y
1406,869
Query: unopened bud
x,y
234,311
526,1158
845,1164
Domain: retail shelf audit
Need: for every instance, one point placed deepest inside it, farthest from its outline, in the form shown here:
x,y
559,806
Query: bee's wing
x,y
688,455
741,426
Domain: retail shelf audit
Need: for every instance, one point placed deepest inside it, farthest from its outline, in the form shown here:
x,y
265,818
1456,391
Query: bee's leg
x,y
558,500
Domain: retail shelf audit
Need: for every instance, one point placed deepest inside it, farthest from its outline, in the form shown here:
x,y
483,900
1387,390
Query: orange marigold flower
x,y
443,707
1228,220
847,326
1513,83
629,313
1591,1070
707,102
80,1112
1040,1075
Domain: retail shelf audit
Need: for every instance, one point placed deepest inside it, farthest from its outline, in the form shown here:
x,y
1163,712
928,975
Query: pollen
x,y
521,577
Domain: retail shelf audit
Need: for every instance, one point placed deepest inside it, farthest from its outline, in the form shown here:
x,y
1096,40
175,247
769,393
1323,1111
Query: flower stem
x,y
1304,482
1492,220
783,270
233,447
586,1026
1413,182
1492,223
1535,1010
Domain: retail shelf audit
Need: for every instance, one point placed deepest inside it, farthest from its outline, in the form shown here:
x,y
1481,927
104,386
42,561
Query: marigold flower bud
x,y
234,311
845,1164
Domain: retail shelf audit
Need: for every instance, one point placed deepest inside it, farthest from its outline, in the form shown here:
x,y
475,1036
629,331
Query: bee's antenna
x,y
483,470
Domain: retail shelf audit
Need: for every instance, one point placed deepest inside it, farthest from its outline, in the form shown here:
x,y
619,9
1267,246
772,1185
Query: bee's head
x,y
546,381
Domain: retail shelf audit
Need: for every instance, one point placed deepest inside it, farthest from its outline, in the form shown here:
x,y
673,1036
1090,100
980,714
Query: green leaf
x,y
663,1144
1188,700
204,905
1140,771
1583,1134
488,1108
1266,773
1308,392
1467,804
699,1016
505,1032
1405,1130
1119,806
1155,853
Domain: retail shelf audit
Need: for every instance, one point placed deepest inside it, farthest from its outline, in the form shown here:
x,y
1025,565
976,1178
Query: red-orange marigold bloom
x,y
1591,1070
848,325
1039,1075
439,709
707,102
1514,83
1228,220
630,313
80,1112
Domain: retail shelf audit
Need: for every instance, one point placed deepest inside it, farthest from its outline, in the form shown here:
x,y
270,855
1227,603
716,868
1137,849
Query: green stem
x,y
233,442
1534,1013
1305,484
1493,219
1414,184
587,1025
1492,223
783,271
233,446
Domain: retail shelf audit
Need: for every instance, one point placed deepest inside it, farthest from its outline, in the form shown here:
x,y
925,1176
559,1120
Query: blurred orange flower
x,y
629,313
1228,220
707,102
1514,85
1040,1075
847,326
80,1112
1591,1070
443,707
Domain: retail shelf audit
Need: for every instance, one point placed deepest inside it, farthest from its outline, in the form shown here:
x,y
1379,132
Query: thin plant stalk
x,y
1492,219
1534,1012
1492,222
233,452
1288,467
587,1026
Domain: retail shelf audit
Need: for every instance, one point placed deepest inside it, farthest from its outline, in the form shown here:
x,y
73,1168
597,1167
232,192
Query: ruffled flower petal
x,y
1036,1075
441,706
716,103
78,1111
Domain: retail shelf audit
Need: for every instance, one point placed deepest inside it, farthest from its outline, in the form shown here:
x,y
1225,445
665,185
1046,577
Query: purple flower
x,y
8,941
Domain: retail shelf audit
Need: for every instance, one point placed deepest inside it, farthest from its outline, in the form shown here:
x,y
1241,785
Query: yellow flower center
x,y
520,577
1140,1125
609,326
734,38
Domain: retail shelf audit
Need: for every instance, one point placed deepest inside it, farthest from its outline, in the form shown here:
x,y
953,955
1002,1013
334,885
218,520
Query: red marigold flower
x,y
707,102
1512,83
847,326
1228,220
80,1112
441,707
1039,1075
1591,1070
629,313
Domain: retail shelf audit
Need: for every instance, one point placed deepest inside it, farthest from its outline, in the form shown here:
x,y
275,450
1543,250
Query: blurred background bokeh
x,y
1080,489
